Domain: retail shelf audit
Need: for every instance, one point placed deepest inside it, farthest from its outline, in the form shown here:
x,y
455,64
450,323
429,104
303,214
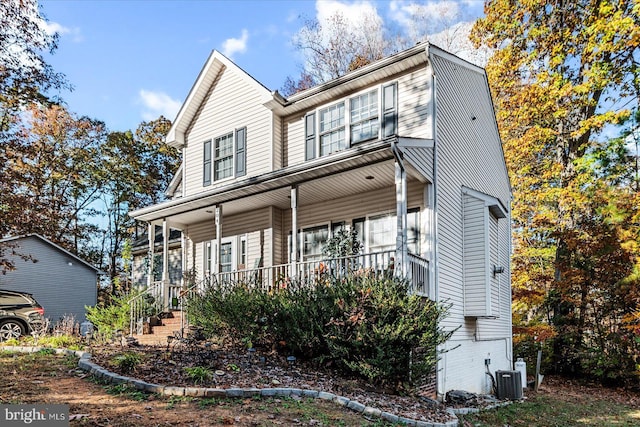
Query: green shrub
x,y
127,361
111,315
198,374
235,311
368,325
380,326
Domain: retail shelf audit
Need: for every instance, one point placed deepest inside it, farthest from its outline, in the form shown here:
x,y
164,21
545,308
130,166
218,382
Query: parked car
x,y
20,314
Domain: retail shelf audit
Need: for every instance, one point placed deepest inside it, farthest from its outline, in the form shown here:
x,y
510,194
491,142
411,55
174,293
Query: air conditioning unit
x,y
509,385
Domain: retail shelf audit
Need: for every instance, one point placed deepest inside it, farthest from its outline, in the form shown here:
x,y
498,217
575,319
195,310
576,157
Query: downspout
x,y
401,267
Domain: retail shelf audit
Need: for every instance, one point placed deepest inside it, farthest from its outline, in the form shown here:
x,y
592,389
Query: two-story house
x,y
405,150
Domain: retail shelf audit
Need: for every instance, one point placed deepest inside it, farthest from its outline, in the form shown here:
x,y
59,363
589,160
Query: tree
x,y
50,164
138,168
557,70
351,36
333,46
25,76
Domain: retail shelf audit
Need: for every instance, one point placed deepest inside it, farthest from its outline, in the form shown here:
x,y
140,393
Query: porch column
x,y
165,263
294,227
185,254
216,268
401,264
151,234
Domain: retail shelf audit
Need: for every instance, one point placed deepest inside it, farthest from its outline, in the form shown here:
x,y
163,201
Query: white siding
x,y
421,159
231,103
293,140
415,117
466,364
278,155
469,154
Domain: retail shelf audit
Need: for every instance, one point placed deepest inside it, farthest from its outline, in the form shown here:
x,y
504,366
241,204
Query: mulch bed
x,y
238,368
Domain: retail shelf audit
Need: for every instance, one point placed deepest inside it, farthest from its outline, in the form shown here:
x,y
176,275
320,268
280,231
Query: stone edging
x,y
97,371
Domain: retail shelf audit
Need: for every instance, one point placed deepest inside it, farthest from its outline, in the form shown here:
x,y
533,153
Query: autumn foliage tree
x,y
558,70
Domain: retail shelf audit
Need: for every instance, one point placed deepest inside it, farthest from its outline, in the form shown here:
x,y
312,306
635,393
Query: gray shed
x,y
60,281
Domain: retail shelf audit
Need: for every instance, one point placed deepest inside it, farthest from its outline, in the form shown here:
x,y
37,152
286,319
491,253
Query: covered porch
x,y
241,232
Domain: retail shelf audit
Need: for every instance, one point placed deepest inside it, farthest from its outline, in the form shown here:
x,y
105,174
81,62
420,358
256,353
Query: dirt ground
x,y
38,378
31,378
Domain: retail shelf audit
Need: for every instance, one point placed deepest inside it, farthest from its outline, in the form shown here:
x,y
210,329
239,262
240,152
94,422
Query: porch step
x,y
159,334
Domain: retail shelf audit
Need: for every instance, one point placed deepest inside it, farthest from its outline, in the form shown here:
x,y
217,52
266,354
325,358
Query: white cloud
x,y
361,17
355,12
455,39
232,46
158,103
54,27
418,19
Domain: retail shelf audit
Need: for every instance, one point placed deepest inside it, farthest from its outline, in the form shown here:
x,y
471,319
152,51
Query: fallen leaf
x,y
78,416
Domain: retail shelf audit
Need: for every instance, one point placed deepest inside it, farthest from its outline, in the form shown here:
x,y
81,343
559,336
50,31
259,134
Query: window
x,y
413,231
382,233
332,136
313,241
242,255
362,117
226,257
208,258
225,157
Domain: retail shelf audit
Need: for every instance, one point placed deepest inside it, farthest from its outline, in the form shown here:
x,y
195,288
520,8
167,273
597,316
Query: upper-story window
x,y
332,136
225,157
365,116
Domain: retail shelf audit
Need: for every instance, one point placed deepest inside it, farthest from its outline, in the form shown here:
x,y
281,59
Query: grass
x,y
127,391
554,411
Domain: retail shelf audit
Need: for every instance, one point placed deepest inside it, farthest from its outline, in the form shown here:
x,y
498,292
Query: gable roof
x,y
216,64
54,246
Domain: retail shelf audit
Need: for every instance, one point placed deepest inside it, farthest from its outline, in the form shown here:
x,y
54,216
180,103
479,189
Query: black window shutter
x,y
241,151
310,136
389,110
206,164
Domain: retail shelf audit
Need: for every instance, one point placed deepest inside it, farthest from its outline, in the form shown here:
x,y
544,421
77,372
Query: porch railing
x,y
280,276
152,302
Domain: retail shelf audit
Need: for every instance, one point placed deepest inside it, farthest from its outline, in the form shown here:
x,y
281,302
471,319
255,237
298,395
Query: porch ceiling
x,y
326,177
313,191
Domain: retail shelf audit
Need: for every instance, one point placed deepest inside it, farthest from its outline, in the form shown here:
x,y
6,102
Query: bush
x,y
380,326
367,325
111,315
199,374
127,362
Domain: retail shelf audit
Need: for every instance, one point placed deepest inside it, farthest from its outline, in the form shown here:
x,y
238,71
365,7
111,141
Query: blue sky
x,y
131,61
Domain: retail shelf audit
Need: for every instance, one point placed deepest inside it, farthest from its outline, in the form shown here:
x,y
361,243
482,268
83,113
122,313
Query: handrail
x,y
148,303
